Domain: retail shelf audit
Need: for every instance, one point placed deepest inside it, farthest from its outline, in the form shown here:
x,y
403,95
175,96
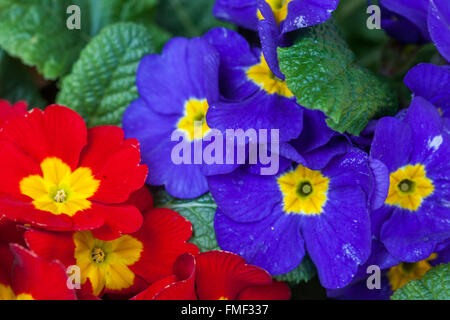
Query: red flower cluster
x,y
75,197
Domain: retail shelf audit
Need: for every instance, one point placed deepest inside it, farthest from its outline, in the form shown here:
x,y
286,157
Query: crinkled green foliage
x,y
320,70
103,81
36,31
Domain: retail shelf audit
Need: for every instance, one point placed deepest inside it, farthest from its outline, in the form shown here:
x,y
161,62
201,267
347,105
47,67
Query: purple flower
x,y
269,220
253,98
239,12
273,19
317,144
176,89
406,20
432,83
439,26
415,218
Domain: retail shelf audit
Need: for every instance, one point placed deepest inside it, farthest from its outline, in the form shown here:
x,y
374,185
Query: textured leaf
x,y
321,72
434,285
200,212
36,31
188,18
16,83
303,273
103,81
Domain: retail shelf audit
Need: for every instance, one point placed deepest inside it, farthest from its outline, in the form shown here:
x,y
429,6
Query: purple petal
x,y
432,83
392,143
236,57
186,69
307,13
414,10
414,236
274,243
245,197
439,25
380,183
401,28
426,125
240,12
338,240
261,111
269,34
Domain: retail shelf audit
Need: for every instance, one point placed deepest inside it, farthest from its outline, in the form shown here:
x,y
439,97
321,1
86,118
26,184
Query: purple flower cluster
x,y
382,197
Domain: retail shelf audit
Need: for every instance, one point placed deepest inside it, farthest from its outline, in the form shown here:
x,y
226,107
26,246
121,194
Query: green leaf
x,y
36,31
188,18
303,273
200,212
434,285
16,83
320,70
103,81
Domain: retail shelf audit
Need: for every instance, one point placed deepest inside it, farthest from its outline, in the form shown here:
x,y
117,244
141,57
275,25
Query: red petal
x,y
24,212
184,288
138,286
179,286
7,111
52,245
6,263
11,232
141,199
275,291
119,219
151,292
85,293
115,162
14,166
164,234
224,275
55,132
42,279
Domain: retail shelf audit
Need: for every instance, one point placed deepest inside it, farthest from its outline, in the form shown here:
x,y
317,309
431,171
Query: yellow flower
x,y
106,263
59,190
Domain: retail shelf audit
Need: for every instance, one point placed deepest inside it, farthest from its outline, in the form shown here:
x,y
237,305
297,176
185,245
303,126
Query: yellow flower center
x,y
405,272
6,293
194,122
106,263
98,255
304,191
279,9
409,186
263,77
59,190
